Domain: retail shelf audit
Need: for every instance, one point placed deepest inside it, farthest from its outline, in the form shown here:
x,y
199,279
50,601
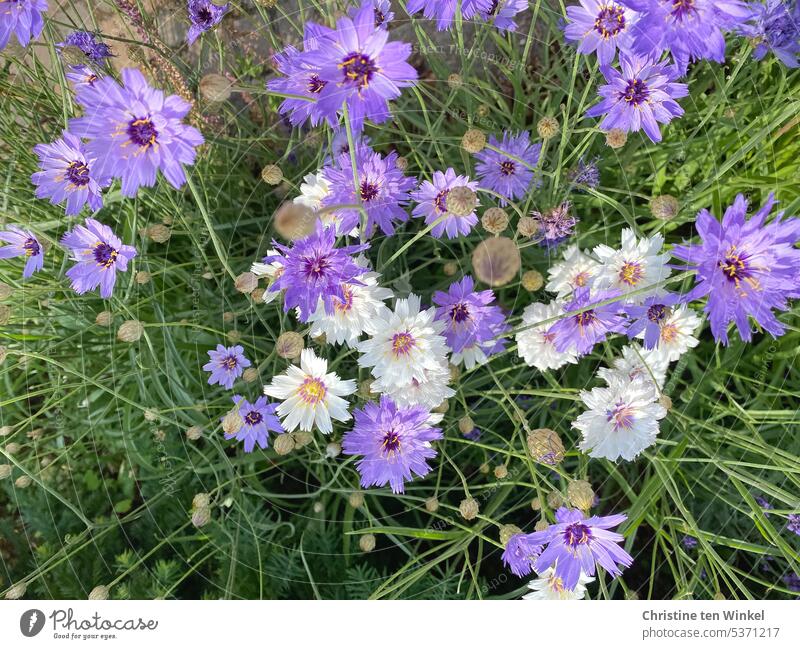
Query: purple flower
x,y
204,15
501,13
575,543
96,51
395,443
589,327
509,171
649,316
762,502
22,243
444,11
68,173
600,26
361,68
775,28
470,317
432,204
226,365
689,542
746,268
314,269
689,29
474,435
134,131
382,10
301,78
99,253
258,419
22,18
641,96
81,75
586,174
793,523
520,554
383,190
555,225
792,581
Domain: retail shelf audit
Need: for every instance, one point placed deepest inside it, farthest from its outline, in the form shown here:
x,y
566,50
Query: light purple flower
x,y
99,255
81,75
576,543
510,171
313,269
95,51
68,173
432,204
444,11
746,267
584,330
649,316
600,26
361,68
134,131
382,10
22,243
383,191
555,225
520,554
500,13
23,18
394,442
775,28
226,365
793,523
258,419
640,96
204,15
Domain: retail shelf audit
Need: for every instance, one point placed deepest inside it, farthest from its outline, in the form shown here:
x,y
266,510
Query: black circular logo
x,y
31,622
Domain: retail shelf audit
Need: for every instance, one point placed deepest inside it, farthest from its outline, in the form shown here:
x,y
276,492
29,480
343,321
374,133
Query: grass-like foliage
x,y
115,468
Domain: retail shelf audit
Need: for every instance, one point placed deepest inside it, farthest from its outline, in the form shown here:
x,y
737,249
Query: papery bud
x,y
494,220
246,283
469,508
289,345
496,261
580,494
432,504
532,280
356,499
547,127
130,331
616,138
99,593
473,141
367,542
545,446
665,207
506,532
284,444
272,174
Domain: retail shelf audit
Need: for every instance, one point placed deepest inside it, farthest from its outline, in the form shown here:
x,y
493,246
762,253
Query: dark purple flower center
x,y
315,84
586,318
620,416
202,17
369,190
610,21
379,17
402,344
657,313
459,312
316,267
229,362
636,92
142,132
735,266
577,534
31,247
493,7
358,68
78,173
254,417
683,9
104,254
507,167
391,442
631,273
440,202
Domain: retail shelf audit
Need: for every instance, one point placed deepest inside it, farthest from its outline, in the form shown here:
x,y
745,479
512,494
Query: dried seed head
x,y
365,389
228,316
142,277
466,425
527,226
13,448
580,494
541,526
554,500
17,591
450,268
272,174
665,402
258,294
506,532
547,127
130,331
5,291
193,433
473,141
233,336
201,500
432,504
501,472
665,207
294,221
3,354
23,482
73,55
5,314
442,408
284,444
5,430
355,499
99,593
496,261
201,517
289,345
545,446
36,433
494,220
616,138
150,415
461,201
246,283
160,435
455,373
232,422
469,508
367,542
215,88
332,450
536,504
302,438
250,375
401,163
532,280
484,468
158,232
455,81
5,471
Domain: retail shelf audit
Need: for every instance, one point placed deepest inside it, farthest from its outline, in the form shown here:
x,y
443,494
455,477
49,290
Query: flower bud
x,y
527,226
302,438
158,233
496,261
5,291
201,517
233,336
432,504
193,433
99,593
469,508
17,591
401,163
232,422
580,495
130,331
545,446
289,345
541,526
494,220
616,138
450,268
547,127
665,402
536,504
284,444
501,472
473,141
506,532
294,221
250,374
246,283
332,450
554,500
461,201
215,88
455,81
466,425
272,174
664,207
367,542
201,500
532,280
356,499
23,482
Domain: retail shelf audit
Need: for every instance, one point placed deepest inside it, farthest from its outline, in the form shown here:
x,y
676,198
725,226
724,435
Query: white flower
x,y
637,361
271,271
314,188
407,342
621,420
310,395
577,269
548,586
357,314
535,344
429,393
676,335
637,264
